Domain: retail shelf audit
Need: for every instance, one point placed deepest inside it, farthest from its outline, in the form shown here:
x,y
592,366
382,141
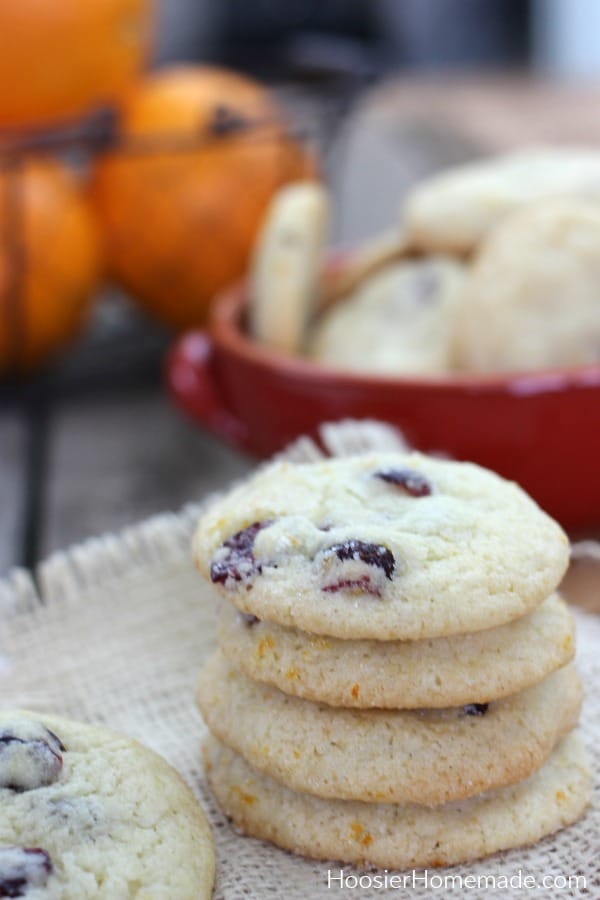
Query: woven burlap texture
x,y
115,633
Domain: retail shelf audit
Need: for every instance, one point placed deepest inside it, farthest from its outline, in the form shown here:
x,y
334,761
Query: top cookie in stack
x,y
397,647
383,546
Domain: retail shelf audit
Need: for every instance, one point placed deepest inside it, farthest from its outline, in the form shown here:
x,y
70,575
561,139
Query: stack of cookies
x,y
393,683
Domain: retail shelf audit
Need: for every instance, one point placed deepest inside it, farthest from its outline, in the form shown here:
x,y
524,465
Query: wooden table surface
x,y
95,445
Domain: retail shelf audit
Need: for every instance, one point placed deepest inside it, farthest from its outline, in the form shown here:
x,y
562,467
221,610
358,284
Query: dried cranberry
x,y
371,554
348,576
412,482
30,756
236,556
475,709
364,584
56,741
22,868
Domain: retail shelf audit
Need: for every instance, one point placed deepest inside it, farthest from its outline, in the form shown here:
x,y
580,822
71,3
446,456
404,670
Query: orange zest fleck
x,y
267,643
246,798
359,834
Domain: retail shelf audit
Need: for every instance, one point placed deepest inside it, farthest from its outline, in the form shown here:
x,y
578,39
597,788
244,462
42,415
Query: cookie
x,y
402,837
385,546
287,264
399,321
536,279
453,211
350,268
87,813
438,672
405,756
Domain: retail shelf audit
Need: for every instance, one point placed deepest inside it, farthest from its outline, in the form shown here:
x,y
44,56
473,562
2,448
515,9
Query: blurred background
x,y
383,92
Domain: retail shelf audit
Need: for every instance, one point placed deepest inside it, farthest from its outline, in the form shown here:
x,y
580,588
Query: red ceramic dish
x,y
541,429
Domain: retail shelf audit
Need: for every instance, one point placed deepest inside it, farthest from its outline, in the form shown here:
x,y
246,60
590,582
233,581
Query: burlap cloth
x,y
115,633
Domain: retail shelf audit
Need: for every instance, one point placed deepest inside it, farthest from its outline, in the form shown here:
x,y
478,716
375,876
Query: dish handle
x,y
193,384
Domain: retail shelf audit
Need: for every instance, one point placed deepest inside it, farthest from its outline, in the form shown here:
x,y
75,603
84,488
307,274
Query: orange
x,y
61,58
49,235
179,224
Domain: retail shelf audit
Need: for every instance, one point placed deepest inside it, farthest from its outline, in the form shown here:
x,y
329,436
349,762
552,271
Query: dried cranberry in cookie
x,y
22,869
235,558
30,756
356,566
475,709
408,480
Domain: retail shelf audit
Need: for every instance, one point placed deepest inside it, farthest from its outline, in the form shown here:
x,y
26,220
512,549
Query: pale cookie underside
x,y
422,756
475,553
470,668
116,820
402,837
287,264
